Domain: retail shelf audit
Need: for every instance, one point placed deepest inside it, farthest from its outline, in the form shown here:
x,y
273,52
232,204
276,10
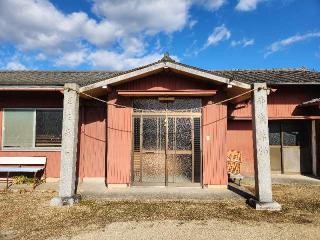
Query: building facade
x,y
165,124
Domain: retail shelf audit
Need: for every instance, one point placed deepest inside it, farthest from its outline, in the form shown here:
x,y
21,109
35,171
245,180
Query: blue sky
x,y
123,34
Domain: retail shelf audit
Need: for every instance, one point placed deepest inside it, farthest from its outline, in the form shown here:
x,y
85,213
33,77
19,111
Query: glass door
x,y
166,144
149,150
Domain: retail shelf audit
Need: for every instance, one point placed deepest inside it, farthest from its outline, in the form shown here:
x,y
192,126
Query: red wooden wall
x,y
318,145
92,140
214,134
166,81
239,137
283,103
119,134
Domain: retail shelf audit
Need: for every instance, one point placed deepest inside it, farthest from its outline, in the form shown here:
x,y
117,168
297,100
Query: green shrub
x,y
23,180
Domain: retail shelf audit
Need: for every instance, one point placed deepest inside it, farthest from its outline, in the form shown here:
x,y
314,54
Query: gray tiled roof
x,y
58,78
272,76
52,78
314,101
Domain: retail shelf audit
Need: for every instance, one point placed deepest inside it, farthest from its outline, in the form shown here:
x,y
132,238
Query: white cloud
x,y
247,5
15,65
104,59
42,25
219,34
211,5
279,45
243,42
192,23
40,57
72,59
139,15
120,33
132,46
119,61
39,24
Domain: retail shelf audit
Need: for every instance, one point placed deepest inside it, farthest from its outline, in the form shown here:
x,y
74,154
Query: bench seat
x,y
23,165
22,169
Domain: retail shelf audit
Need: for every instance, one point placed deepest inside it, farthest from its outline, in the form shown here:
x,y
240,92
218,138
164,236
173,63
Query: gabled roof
x,y
166,63
84,78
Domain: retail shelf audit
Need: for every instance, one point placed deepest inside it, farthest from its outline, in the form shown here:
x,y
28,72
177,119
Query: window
x,y
179,104
32,128
275,133
292,134
48,128
288,133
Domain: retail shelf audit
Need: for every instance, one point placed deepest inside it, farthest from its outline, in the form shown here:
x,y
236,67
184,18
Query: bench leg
x,y
7,181
34,180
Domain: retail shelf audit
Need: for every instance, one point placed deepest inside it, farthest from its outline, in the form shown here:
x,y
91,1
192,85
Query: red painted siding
x,y
239,137
119,127
214,134
282,104
318,145
167,81
92,141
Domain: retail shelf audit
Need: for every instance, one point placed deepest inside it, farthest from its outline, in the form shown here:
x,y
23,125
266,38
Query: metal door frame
x,y
167,115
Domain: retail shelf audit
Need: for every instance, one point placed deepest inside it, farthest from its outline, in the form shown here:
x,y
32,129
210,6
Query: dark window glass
x,y
48,128
183,134
291,134
153,134
146,104
179,104
274,133
185,104
136,139
197,149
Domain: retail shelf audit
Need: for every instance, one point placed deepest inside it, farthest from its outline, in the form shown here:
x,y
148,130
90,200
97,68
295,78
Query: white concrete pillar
x,y
314,147
69,146
262,166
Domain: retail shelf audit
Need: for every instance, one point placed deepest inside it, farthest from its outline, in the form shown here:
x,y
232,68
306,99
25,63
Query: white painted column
x,y
263,184
69,146
314,147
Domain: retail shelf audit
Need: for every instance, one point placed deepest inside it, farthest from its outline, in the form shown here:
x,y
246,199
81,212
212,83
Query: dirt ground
x,y
27,215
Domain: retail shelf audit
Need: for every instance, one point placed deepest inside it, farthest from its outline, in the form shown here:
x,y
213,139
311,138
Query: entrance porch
x,y
180,138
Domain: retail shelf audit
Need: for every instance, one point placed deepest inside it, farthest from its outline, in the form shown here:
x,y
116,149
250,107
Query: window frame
x,y
27,149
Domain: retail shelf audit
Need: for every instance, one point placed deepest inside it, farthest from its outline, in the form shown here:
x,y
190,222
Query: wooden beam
x,y
182,93
31,89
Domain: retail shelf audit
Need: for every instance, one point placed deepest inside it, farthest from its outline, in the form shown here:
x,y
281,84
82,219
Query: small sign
x,y
208,138
166,98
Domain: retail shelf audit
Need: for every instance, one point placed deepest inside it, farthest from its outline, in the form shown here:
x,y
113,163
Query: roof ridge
x,y
267,70
59,71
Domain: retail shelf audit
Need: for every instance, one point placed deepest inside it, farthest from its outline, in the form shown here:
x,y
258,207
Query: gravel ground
x,y
211,229
27,215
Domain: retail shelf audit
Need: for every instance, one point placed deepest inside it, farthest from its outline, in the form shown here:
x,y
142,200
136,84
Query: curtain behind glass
x,y
49,128
18,128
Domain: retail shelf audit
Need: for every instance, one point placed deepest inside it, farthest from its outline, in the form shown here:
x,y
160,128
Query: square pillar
x,y
263,185
69,146
314,148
